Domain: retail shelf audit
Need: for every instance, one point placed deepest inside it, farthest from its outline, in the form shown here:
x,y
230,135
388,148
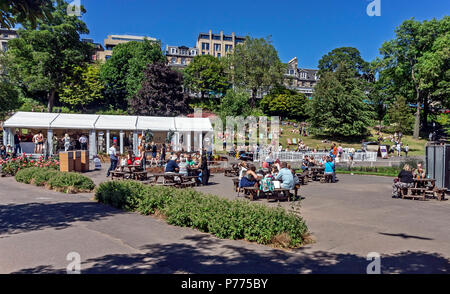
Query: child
x,y
97,163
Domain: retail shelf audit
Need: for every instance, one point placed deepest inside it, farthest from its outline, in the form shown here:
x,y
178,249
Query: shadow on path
x,y
194,256
18,218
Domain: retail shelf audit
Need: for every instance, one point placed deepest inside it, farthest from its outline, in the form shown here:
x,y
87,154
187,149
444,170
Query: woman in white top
x,y
66,140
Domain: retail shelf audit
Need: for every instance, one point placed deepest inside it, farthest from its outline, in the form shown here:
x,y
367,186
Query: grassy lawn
x,y
416,147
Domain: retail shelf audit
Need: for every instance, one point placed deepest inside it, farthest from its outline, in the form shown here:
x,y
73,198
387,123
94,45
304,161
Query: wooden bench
x,y
251,192
117,174
413,193
231,172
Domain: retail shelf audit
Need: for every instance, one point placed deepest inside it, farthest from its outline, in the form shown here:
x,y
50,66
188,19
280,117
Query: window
x,y
203,36
225,38
183,61
303,75
216,37
291,72
217,47
228,48
218,55
193,52
173,60
205,46
107,57
110,47
5,46
173,50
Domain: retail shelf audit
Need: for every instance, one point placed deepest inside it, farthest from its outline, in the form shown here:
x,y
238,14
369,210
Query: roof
x,y
42,120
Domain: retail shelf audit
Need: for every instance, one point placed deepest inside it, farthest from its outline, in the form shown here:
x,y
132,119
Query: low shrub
x,y
53,179
237,219
70,182
11,166
26,175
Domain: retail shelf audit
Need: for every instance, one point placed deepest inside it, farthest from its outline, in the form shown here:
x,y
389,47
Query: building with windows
x,y
301,79
5,36
114,40
217,45
180,56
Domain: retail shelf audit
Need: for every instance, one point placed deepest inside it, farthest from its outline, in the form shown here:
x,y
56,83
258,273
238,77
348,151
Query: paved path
x,y
38,228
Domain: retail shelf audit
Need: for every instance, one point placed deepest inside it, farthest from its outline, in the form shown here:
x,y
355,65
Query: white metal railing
x,y
299,156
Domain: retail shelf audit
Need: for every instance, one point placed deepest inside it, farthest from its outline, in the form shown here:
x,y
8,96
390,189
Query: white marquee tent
x,y
189,132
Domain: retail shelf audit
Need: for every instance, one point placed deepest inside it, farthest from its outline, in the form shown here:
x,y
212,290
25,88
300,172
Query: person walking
x,y
399,149
113,158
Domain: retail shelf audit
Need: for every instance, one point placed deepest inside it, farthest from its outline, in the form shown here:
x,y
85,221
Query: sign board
x,y
384,152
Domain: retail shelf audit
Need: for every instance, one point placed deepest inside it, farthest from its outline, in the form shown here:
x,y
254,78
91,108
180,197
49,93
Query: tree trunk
x,y
51,100
253,98
426,110
417,120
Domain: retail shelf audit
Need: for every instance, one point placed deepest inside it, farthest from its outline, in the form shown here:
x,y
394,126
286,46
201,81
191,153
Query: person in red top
x,y
130,158
335,150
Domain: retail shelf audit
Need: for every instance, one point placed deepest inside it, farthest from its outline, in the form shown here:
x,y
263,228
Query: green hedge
x,y
237,219
369,170
53,179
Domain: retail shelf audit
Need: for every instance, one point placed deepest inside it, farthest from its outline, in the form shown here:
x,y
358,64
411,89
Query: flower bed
x,y
55,180
11,166
226,219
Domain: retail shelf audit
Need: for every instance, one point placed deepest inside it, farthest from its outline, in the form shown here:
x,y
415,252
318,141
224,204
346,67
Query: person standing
x,y
17,147
406,150
154,153
35,141
204,169
399,149
113,158
66,140
163,154
40,140
83,142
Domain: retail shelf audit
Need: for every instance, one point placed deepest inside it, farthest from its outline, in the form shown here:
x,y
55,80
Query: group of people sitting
x,y
282,172
405,178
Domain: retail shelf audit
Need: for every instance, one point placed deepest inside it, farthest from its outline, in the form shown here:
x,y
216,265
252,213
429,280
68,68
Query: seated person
x,y
250,178
285,175
305,163
419,173
242,169
183,166
296,179
405,180
172,166
130,158
97,163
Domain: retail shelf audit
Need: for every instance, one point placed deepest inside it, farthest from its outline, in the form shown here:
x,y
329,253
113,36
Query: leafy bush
x,y
43,176
26,175
71,182
236,219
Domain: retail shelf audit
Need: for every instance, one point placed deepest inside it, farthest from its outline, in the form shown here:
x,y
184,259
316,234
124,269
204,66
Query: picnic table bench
x,y
423,189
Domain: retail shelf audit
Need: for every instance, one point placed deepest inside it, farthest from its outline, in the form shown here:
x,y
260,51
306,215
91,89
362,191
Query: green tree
x,y
338,108
235,103
42,59
255,65
400,116
9,98
83,87
123,73
349,56
414,64
206,74
161,93
13,12
285,103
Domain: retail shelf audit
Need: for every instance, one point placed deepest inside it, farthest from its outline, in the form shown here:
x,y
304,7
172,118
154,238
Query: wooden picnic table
x,y
173,179
422,189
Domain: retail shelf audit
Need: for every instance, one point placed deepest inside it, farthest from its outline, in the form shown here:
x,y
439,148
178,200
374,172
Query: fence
x,y
299,156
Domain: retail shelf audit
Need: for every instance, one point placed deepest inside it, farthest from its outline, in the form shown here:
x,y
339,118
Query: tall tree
x,y
206,74
285,103
42,59
235,103
338,108
349,56
400,115
123,73
255,65
161,93
13,12
405,63
83,88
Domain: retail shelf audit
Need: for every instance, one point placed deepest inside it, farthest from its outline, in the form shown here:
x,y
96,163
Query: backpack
x,y
266,185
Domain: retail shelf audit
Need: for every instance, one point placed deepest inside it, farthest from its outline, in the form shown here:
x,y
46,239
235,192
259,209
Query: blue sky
x,y
307,29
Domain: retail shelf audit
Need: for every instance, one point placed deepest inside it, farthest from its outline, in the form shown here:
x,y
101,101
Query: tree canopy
x,y
415,64
206,74
338,108
255,65
42,59
123,73
161,93
285,103
13,12
349,56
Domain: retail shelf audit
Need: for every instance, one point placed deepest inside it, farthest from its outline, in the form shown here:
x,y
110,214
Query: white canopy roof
x,y
116,122
75,121
33,120
41,120
156,123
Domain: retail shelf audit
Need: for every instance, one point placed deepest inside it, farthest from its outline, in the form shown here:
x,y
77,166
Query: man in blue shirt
x,y
329,169
285,175
172,166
